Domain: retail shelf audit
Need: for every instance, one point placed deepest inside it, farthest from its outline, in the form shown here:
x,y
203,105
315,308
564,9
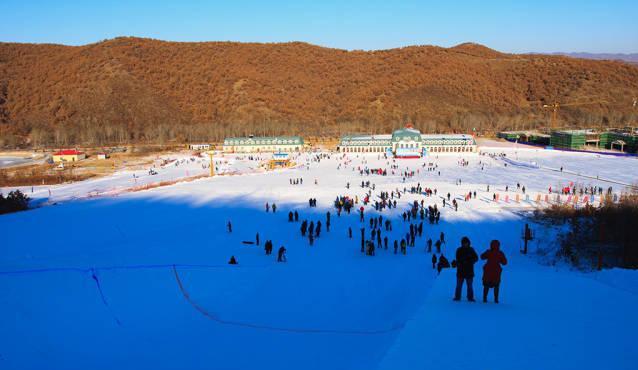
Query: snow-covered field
x,y
101,277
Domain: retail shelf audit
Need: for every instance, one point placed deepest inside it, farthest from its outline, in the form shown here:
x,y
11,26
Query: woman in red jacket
x,y
492,269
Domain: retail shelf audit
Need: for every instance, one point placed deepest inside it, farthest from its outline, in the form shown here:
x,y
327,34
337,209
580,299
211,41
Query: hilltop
x,y
132,89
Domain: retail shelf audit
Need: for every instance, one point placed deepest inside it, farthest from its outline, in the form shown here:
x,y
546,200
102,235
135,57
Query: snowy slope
x,y
547,319
91,282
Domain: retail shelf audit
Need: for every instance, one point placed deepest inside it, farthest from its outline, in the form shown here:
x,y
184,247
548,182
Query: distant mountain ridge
x,y
132,89
630,57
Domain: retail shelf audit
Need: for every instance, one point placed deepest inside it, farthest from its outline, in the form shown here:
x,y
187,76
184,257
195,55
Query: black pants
x,y
486,290
459,287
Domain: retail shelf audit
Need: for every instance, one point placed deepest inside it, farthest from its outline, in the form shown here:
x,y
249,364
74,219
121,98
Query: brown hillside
x,y
130,89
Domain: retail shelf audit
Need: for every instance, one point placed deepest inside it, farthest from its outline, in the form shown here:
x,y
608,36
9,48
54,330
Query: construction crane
x,y
555,106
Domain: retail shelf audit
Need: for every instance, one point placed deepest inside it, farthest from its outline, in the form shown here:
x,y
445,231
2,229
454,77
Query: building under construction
x,y
525,137
624,140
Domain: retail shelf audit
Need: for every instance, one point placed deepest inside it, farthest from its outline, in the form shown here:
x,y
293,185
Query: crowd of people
x,y
378,233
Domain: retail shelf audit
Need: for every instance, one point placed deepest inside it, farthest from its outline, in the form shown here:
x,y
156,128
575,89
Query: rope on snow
x,y
213,317
119,267
99,288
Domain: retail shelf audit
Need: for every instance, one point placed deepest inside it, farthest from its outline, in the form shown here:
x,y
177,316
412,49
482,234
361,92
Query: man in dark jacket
x,y
466,257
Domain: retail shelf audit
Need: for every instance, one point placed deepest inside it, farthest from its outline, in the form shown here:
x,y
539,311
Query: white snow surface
x,y
88,282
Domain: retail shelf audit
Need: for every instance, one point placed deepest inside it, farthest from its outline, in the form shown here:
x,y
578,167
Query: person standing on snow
x,y
311,228
466,257
230,227
492,269
281,254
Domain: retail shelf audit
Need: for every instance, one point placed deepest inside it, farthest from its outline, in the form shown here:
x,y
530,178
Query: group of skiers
x,y
344,203
379,227
376,224
373,171
313,230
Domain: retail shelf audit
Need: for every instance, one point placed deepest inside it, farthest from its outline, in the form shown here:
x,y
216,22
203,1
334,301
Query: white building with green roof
x,y
263,144
408,142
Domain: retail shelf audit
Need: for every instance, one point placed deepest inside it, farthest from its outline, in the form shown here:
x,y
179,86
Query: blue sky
x,y
510,26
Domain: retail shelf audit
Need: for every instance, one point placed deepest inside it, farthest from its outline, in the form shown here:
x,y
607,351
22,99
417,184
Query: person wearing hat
x,y
492,269
466,257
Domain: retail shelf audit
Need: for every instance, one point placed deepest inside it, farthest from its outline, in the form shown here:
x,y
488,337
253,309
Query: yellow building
x,y
69,155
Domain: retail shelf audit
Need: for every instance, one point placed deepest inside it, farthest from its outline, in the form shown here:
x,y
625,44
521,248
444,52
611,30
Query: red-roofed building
x,y
68,155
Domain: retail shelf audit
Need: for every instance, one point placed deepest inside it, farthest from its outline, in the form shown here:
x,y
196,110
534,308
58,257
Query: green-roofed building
x,y
263,144
407,143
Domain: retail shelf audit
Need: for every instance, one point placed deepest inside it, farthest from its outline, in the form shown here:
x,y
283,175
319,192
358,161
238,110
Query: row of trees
x,y
91,132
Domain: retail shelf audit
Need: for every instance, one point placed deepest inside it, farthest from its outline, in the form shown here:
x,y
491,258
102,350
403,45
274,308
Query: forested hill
x,y
131,89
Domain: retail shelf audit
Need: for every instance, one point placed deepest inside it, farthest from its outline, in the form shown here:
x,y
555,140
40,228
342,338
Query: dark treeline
x,y
15,201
